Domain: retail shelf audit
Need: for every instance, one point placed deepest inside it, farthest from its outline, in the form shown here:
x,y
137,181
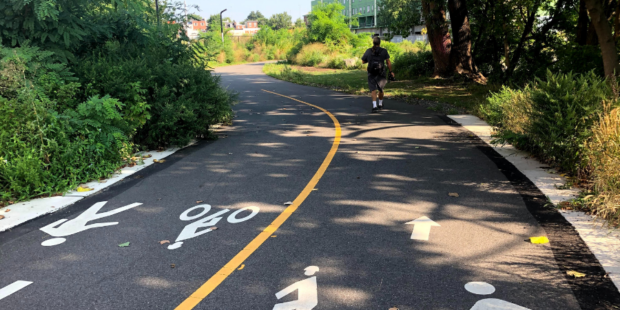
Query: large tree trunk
x,y
605,37
592,38
461,58
529,26
438,35
582,24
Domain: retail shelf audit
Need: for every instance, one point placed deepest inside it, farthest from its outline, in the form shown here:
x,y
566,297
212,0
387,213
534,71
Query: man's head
x,y
376,41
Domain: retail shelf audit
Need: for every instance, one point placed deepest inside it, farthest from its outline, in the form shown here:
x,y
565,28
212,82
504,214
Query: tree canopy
x,y
280,21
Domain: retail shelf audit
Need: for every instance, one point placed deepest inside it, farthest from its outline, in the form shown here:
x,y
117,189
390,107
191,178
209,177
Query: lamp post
x,y
222,24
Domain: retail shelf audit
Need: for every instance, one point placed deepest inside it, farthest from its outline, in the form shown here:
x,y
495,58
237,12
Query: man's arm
x,y
389,63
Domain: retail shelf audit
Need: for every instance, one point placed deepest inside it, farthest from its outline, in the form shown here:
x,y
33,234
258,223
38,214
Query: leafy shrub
x,y
43,151
564,109
509,109
411,65
312,55
173,100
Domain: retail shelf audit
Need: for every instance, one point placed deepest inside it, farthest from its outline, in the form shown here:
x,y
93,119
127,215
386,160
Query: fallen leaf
x,y
102,181
453,194
123,245
315,189
241,268
213,228
199,201
84,189
288,203
1,217
172,265
539,240
575,274
393,308
159,161
164,241
147,156
7,210
273,236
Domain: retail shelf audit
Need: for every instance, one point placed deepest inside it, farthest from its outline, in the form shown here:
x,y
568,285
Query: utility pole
x,y
222,24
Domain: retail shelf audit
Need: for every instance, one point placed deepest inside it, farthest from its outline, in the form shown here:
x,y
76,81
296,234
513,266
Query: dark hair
x,y
376,42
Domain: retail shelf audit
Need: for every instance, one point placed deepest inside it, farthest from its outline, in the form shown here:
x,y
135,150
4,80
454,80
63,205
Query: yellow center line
x,y
219,277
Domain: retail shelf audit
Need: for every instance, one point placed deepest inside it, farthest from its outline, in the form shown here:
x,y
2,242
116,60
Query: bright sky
x,y
239,9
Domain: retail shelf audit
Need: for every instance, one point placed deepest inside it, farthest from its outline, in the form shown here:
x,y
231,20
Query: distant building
x,y
366,11
200,25
249,28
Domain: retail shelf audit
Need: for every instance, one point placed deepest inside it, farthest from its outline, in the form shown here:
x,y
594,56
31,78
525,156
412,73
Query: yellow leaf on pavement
x,y
1,217
164,241
84,189
575,274
539,240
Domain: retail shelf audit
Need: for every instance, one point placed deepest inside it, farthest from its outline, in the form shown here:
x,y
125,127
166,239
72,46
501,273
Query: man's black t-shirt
x,y
383,54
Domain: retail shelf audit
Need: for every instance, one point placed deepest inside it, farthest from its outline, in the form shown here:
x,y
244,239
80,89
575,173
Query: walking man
x,y
376,57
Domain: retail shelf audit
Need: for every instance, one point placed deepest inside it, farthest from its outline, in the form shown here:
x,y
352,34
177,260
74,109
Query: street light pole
x,y
222,24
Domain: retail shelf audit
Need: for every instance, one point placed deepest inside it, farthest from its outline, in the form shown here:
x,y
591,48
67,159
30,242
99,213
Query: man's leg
x,y
374,100
380,100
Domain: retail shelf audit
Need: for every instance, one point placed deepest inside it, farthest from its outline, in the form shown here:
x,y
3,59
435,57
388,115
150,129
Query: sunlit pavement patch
x,y
604,243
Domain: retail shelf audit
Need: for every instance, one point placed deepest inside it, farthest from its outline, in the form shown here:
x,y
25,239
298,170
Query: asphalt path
x,y
344,242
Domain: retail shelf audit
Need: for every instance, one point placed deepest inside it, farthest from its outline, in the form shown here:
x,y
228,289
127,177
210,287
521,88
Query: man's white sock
x,y
374,104
380,102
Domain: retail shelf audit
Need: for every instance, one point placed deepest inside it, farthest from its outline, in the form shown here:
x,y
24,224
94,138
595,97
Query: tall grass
x,y
604,165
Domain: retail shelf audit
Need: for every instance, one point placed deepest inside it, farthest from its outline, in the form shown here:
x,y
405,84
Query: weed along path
x,y
308,202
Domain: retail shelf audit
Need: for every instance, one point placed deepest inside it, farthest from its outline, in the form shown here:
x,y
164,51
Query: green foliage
x,y
280,21
136,81
328,25
259,17
398,16
299,23
44,151
553,117
411,65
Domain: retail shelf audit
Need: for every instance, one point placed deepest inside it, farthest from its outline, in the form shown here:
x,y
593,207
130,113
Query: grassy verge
x,y
461,96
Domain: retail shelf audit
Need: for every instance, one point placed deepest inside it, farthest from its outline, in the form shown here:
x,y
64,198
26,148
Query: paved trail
x,y
356,181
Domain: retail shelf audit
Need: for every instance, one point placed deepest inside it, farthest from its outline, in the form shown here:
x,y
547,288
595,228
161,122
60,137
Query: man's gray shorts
x,y
376,81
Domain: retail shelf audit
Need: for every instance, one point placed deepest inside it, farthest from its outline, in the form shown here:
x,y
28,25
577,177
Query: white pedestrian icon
x,y
63,228
307,295
483,288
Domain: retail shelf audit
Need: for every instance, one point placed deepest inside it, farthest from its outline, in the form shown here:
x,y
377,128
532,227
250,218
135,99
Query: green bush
x,y
552,118
173,100
565,106
411,64
44,151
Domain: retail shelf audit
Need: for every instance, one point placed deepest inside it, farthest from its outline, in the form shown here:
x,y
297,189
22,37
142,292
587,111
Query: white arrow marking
x,y
12,288
422,228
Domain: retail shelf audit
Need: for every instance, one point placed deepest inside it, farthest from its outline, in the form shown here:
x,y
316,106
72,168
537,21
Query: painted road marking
x,y
12,288
64,228
307,293
422,228
236,261
483,288
191,230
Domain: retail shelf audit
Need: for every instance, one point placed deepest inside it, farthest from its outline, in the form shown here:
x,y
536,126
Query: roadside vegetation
x,y
85,85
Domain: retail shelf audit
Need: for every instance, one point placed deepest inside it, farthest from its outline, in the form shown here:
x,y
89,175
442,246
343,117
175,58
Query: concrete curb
x,y
603,242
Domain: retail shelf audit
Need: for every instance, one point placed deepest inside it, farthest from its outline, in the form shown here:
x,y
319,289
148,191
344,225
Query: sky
x,y
239,9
